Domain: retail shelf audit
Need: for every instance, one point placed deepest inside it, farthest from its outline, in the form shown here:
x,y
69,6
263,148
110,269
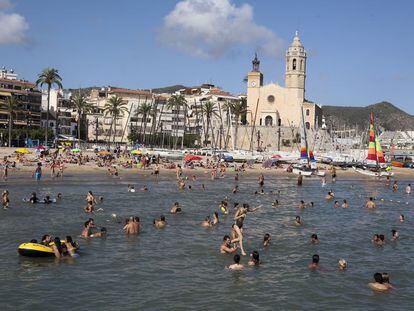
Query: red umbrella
x,y
190,157
40,148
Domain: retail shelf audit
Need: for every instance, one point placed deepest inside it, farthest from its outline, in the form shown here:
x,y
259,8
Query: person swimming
x,y
378,283
336,204
207,222
223,207
144,188
175,208
275,204
254,259
345,204
395,235
408,189
314,239
235,189
266,239
330,195
226,247
386,280
87,230
370,204
131,188
236,265
298,221
402,218
302,204
33,198
342,264
5,199
215,219
315,262
47,200
160,222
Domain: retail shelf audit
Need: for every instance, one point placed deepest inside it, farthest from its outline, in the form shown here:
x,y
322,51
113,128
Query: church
x,y
274,105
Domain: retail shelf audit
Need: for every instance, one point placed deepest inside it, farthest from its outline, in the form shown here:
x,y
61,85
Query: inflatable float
x,y
38,250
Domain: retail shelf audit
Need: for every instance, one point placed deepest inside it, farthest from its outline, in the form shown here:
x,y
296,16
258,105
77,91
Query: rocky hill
x,y
387,117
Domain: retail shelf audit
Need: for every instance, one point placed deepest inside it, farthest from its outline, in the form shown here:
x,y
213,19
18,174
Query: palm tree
x,y
209,110
175,103
144,110
82,108
49,76
237,109
115,107
11,105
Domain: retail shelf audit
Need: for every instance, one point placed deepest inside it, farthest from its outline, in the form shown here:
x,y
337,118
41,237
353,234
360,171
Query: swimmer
x,y
57,248
310,204
402,218
47,200
90,200
237,265
297,221
314,239
46,239
395,235
70,247
315,262
175,208
226,247
223,207
342,264
59,196
345,204
302,204
370,204
254,259
408,189
206,222
378,283
275,204
215,219
330,195
87,230
300,179
33,198
144,189
235,189
237,235
381,240
386,280
261,181
203,187
395,186
131,188
160,223
5,199
336,204
266,239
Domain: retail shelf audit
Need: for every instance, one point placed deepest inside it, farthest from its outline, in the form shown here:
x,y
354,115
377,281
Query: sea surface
x,y
180,268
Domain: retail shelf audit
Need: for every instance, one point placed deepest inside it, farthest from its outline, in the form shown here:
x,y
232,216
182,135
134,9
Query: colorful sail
x,y
372,154
311,156
380,154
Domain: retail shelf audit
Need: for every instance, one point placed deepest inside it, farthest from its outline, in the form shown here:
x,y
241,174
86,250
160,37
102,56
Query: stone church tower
x,y
296,67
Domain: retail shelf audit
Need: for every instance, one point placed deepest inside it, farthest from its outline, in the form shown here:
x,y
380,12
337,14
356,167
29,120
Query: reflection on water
x,y
180,268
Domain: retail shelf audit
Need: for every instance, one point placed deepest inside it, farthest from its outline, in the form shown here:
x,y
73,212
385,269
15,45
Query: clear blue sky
x,y
359,52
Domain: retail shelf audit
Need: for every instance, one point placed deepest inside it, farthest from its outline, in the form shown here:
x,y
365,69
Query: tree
x,y
144,110
237,109
115,107
82,108
175,103
11,105
50,77
209,110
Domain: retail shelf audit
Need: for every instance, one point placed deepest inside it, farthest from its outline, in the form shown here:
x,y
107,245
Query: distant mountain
x,y
387,117
169,89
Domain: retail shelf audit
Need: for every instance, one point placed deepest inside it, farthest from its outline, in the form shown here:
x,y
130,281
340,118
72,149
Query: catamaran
x,y
374,165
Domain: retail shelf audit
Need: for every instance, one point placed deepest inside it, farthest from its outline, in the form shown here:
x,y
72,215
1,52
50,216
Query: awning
x,y
5,93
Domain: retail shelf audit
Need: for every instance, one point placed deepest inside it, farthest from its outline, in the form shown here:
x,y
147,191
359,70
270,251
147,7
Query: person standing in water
x,y
5,199
261,181
38,172
408,189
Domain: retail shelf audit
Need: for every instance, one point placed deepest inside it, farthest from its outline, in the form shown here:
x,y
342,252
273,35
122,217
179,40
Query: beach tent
x,y
190,157
22,150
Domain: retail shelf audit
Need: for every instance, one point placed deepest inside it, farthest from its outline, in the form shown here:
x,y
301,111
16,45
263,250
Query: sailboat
x,y
307,163
374,165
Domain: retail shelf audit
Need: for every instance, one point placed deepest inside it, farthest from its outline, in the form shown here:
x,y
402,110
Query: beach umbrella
x,y
40,147
190,157
136,151
22,150
76,150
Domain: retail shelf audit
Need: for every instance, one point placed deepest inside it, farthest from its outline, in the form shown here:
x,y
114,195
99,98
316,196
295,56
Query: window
x,y
271,99
307,124
268,121
294,64
307,112
301,65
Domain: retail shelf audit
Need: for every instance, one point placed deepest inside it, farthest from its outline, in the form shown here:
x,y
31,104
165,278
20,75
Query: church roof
x,y
296,41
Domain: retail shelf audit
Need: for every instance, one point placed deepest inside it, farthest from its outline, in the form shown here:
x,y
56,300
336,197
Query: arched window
x,y
294,64
301,65
307,124
260,121
307,112
268,121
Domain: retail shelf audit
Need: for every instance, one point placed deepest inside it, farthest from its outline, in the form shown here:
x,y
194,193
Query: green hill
x,y
387,117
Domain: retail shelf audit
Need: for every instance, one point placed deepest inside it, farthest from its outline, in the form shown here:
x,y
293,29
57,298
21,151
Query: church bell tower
x,y
296,66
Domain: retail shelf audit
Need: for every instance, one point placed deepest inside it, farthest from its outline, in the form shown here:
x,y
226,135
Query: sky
x,y
359,52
